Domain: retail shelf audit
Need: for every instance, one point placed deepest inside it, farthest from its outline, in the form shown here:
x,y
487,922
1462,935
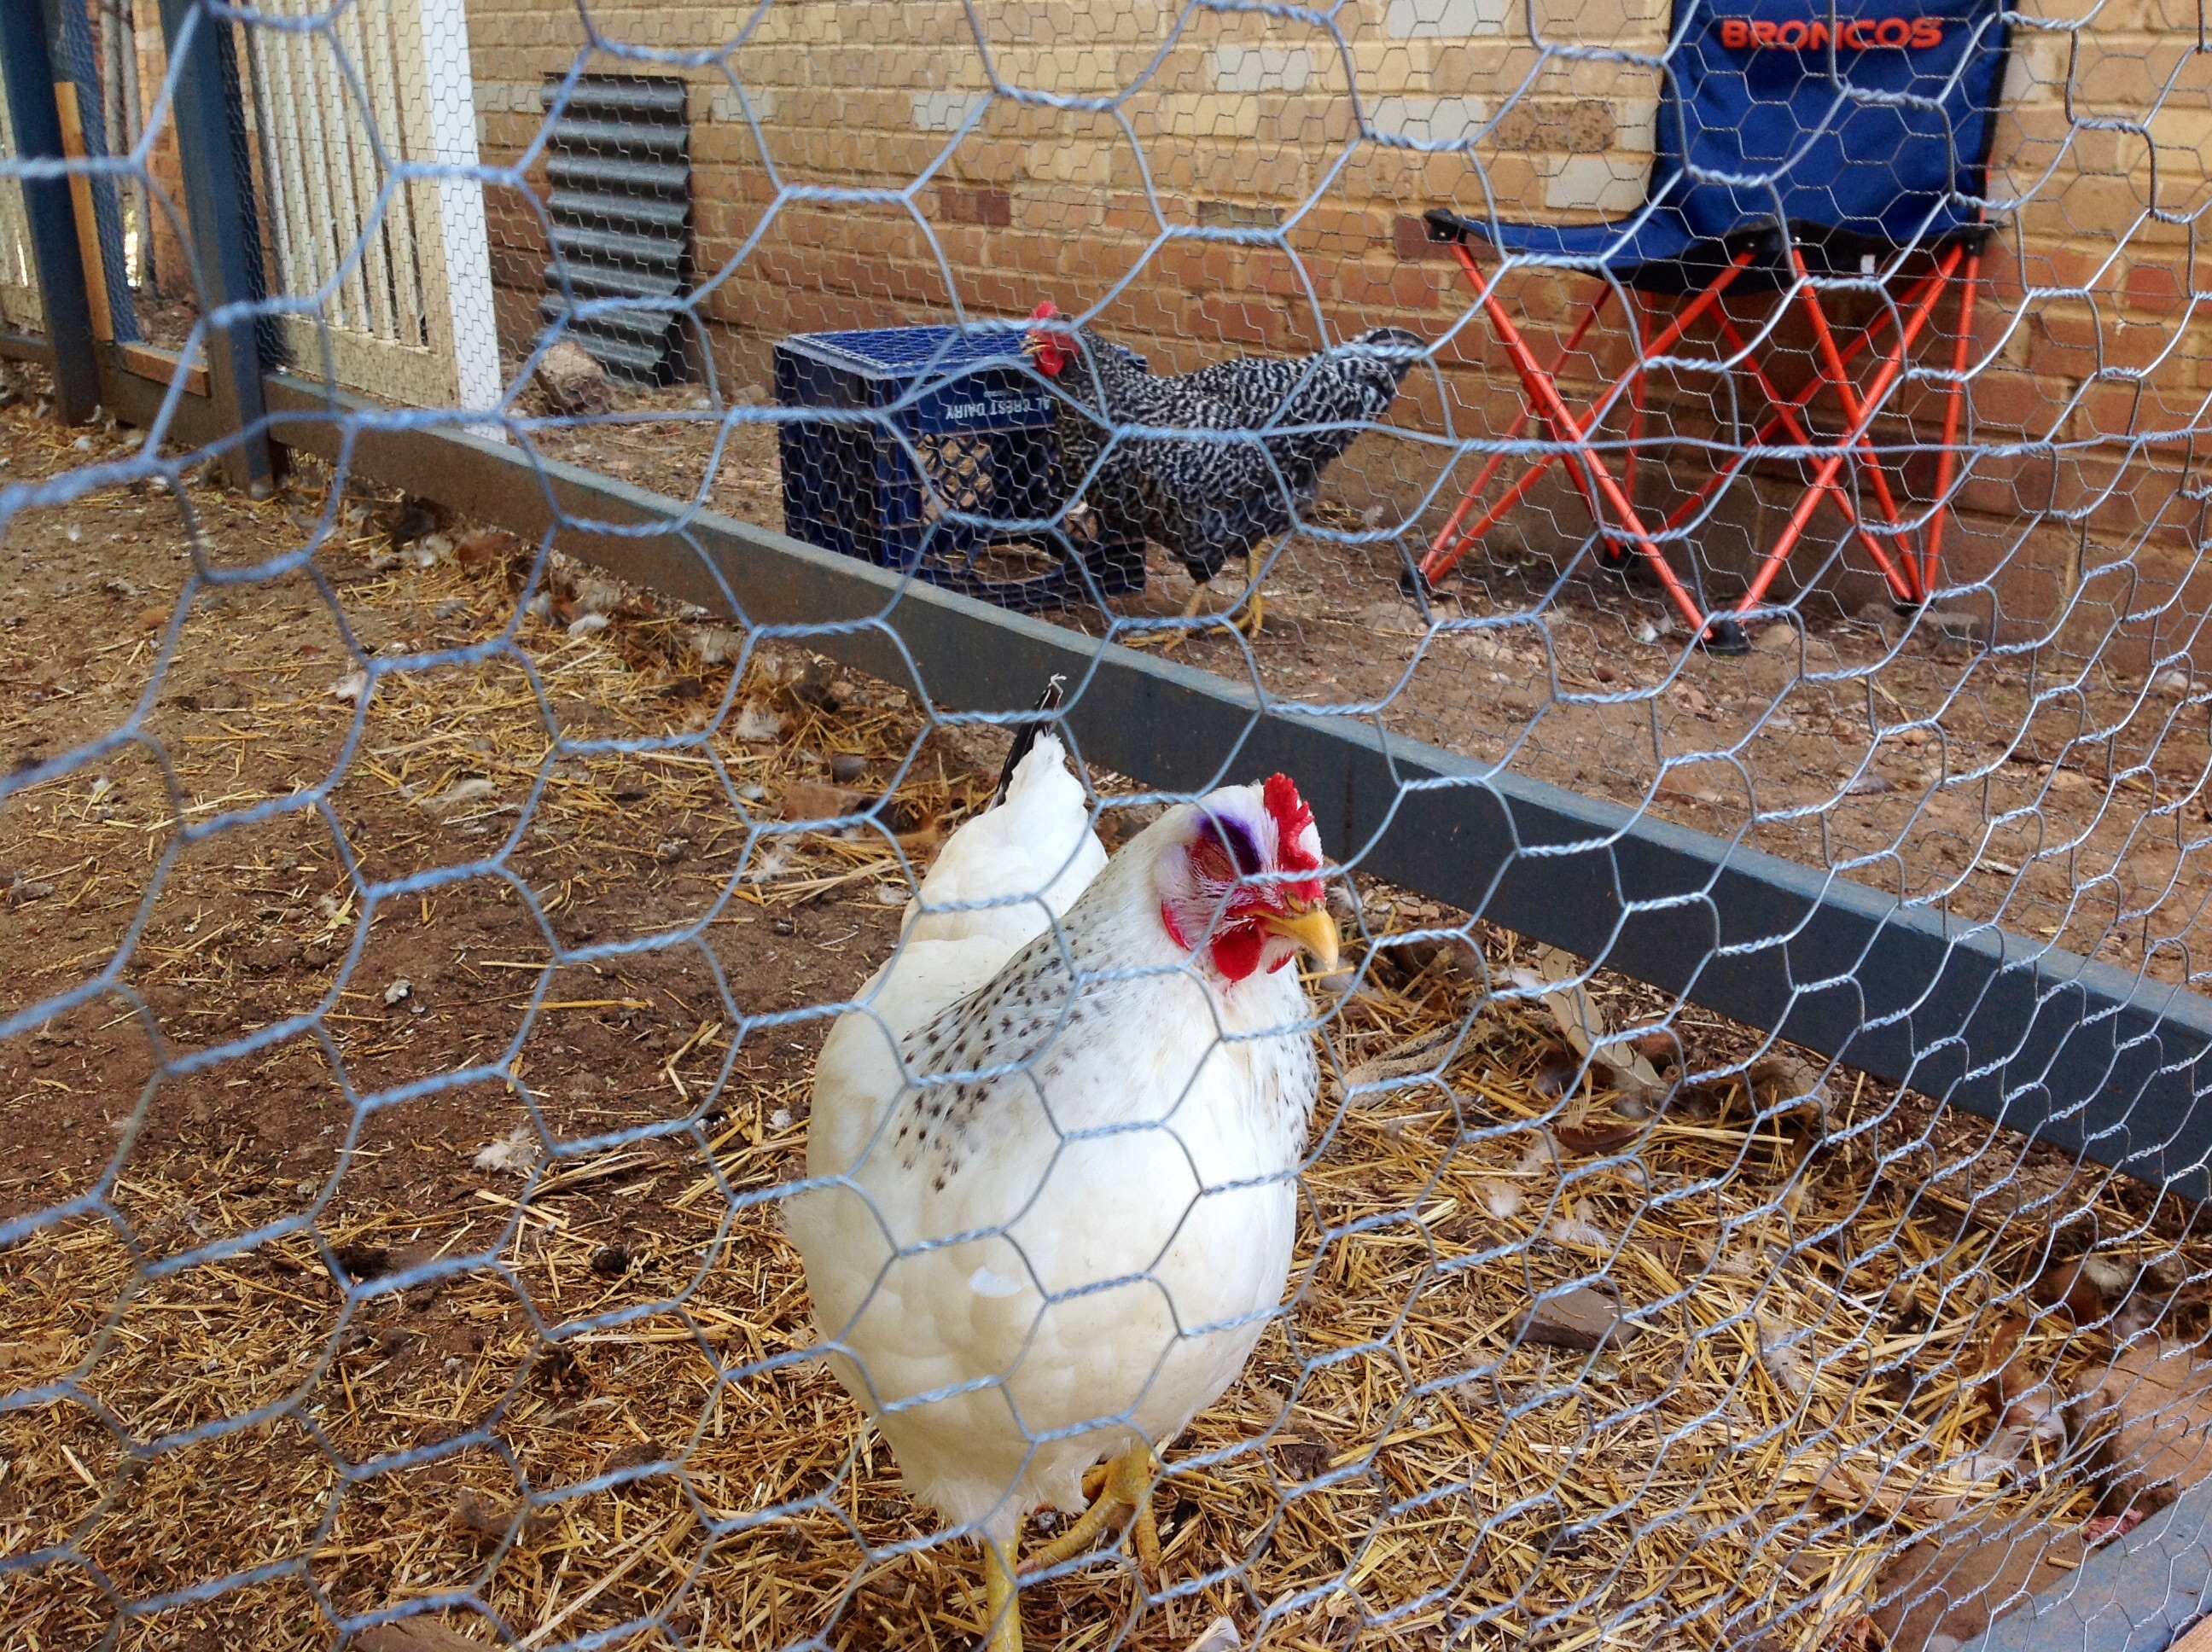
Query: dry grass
x,y
604,1416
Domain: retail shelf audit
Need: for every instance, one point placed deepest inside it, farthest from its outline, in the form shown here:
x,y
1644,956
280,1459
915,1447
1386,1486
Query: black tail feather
x,y
1026,737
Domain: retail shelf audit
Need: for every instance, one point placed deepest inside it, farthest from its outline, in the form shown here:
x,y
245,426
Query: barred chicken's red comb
x,y
1292,817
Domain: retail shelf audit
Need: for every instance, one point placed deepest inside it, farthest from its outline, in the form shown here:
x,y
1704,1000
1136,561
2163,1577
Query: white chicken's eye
x,y
1211,862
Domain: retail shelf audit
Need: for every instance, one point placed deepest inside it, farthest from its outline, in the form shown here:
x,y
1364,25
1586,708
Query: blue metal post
x,y
209,118
47,202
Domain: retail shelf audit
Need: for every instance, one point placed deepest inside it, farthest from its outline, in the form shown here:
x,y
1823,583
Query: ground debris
x,y
1943,1591
2151,1412
1585,1318
418,1634
574,385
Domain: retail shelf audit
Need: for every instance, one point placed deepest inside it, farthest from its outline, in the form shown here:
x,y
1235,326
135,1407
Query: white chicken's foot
x,y
1001,1606
1126,1492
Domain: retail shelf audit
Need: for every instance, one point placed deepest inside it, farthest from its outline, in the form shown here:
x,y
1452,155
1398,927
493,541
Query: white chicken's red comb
x,y
1292,817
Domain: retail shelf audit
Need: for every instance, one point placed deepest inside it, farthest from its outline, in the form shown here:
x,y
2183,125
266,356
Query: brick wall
x,y
2095,358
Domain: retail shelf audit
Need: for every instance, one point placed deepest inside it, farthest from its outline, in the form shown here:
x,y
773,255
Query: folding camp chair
x,y
1803,147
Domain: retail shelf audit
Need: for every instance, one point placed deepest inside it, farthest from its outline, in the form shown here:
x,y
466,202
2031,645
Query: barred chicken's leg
x,y
1001,1606
1127,1491
1255,613
1170,640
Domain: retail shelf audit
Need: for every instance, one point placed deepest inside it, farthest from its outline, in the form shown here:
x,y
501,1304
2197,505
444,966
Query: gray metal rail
x,y
2096,1060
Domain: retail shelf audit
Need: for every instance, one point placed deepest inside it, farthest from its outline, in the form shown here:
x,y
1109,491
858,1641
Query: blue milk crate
x,y
983,428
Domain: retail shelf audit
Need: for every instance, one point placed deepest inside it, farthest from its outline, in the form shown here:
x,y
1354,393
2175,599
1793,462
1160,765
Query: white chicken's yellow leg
x,y
1000,1604
1127,1491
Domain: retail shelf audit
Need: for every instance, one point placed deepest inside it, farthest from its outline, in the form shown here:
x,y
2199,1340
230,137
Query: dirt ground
x,y
2037,788
270,1095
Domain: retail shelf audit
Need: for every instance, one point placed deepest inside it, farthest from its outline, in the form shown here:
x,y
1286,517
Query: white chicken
x,y
1053,1153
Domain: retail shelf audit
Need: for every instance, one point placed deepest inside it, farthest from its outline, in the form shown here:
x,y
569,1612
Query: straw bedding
x,y
1814,1266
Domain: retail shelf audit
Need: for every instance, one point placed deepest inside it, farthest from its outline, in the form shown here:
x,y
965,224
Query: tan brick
x,y
1631,25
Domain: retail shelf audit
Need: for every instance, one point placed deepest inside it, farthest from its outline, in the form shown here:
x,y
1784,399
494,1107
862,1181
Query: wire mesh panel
x,y
364,119
1227,827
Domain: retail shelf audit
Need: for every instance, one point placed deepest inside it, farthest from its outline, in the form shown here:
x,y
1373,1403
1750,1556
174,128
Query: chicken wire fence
x,y
545,1106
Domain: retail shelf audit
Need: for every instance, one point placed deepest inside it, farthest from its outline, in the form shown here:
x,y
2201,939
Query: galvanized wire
x,y
1606,1320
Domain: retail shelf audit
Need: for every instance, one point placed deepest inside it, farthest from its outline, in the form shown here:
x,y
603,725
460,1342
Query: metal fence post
x,y
207,107
51,213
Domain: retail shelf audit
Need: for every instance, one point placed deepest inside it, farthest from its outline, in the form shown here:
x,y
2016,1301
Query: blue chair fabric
x,y
1861,131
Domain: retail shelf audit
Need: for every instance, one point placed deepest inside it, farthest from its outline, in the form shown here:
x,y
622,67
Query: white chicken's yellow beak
x,y
1311,927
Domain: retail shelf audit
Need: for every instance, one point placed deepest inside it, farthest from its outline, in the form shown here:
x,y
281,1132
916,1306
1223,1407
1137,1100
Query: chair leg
x,y
1784,416
1638,309
1891,367
1450,545
1946,463
1599,490
1903,582
1436,561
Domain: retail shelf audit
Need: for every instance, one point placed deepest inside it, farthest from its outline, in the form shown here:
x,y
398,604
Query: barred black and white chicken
x,y
1283,420
1053,1153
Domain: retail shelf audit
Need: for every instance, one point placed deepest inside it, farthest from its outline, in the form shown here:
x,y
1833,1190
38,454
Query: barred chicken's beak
x,y
1311,927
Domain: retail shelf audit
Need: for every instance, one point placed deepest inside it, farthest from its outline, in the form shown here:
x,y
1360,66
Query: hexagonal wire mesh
x,y
541,1107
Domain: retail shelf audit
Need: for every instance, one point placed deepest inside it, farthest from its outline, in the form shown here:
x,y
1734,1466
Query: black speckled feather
x,y
1211,501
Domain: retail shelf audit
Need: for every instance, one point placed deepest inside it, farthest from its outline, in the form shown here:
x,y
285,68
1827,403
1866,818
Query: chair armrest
x,y
1445,225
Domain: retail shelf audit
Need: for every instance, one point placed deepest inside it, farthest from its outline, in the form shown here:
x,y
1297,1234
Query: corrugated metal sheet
x,y
619,159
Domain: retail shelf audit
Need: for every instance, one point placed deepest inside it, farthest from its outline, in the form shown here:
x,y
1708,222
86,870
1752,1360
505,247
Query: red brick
x,y
1411,237
1239,321
2007,274
993,292
1360,283
1417,288
1040,255
2006,402
2074,343
975,206
2155,287
2120,407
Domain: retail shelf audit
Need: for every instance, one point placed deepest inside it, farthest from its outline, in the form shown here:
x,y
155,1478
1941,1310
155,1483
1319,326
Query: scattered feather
x,y
515,1153
594,593
457,796
1782,1353
1501,1199
756,722
717,645
1568,1228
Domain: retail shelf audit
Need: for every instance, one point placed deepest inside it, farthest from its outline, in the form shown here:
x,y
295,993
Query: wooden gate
x,y
400,269
20,309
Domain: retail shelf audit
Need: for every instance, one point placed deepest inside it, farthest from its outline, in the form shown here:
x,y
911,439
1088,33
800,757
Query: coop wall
x,y
1245,120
